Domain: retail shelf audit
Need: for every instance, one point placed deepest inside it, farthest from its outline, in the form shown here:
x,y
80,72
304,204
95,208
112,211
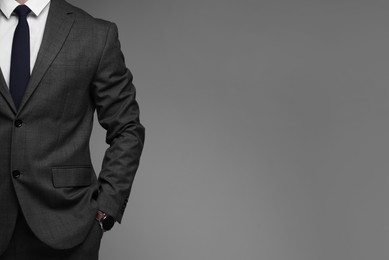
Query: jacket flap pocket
x,y
71,176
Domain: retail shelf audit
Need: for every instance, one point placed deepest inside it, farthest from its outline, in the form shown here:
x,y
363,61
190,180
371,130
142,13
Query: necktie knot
x,y
22,10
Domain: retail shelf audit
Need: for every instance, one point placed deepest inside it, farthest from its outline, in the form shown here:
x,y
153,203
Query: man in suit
x,y
59,64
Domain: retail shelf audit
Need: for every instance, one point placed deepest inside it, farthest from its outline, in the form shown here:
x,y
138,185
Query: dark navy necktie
x,y
20,57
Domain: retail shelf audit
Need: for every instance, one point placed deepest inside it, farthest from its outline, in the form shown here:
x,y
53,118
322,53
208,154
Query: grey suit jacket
x,y
45,163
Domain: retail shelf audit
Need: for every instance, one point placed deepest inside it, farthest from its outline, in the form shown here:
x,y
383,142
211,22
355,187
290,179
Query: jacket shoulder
x,y
84,17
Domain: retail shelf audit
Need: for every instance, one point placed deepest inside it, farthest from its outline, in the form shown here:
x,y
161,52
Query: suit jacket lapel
x,y
58,25
4,90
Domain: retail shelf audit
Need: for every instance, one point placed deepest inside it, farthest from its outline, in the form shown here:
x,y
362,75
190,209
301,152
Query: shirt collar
x,y
8,6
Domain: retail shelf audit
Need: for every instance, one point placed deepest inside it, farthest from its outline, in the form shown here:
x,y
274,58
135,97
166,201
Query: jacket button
x,y
16,174
18,123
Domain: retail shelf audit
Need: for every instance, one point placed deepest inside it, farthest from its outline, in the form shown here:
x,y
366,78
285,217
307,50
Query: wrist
x,y
106,221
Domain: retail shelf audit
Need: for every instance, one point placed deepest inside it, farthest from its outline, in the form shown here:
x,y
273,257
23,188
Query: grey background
x,y
266,129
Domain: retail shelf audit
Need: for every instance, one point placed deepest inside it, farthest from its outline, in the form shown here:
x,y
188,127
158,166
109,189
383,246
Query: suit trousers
x,y
24,245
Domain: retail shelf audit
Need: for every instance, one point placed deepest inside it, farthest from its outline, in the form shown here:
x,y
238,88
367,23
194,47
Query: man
x,y
59,64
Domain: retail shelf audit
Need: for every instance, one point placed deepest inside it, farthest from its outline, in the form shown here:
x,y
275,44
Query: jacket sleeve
x,y
118,113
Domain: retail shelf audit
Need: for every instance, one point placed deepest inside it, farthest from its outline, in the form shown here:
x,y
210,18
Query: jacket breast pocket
x,y
71,176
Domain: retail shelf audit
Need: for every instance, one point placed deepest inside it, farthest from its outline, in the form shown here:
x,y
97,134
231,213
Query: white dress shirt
x,y
8,22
